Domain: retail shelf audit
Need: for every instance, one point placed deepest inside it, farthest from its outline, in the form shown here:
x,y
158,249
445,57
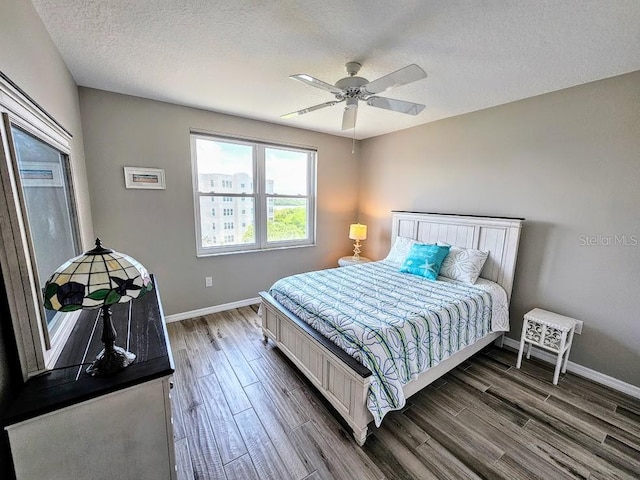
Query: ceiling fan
x,y
352,89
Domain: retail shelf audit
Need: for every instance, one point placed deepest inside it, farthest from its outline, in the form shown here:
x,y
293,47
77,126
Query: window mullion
x,y
261,203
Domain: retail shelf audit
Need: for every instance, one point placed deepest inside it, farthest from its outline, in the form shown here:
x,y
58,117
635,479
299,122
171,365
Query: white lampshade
x,y
357,231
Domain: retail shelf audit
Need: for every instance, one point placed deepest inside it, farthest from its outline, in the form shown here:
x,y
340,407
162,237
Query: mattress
x,y
396,324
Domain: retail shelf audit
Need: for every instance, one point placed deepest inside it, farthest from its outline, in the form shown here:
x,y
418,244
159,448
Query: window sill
x,y
255,250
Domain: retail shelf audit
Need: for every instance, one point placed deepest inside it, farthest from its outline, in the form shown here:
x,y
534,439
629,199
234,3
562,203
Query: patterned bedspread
x,y
396,324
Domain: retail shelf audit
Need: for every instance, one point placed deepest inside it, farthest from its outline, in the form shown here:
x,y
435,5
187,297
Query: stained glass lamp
x,y
99,278
357,232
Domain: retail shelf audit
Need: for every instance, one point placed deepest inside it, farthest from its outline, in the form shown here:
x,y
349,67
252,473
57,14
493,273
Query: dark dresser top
x,y
140,327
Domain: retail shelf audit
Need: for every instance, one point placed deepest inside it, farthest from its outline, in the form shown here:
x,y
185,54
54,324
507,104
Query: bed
x,y
310,317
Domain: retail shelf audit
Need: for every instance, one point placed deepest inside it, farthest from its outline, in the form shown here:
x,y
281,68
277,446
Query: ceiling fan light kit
x,y
352,89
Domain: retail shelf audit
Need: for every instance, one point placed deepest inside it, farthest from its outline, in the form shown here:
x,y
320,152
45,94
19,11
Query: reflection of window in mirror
x,y
44,174
39,223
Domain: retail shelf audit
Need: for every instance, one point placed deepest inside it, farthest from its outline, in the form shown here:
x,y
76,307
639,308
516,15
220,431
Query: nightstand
x,y
549,331
349,260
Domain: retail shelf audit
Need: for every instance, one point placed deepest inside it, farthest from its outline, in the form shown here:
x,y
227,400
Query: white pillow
x,y
463,264
399,251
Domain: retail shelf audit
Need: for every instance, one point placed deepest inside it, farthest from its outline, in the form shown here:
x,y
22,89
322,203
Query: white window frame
x,y
37,349
259,196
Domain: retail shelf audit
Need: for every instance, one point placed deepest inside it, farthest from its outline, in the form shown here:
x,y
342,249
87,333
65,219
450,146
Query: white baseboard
x,y
176,317
597,377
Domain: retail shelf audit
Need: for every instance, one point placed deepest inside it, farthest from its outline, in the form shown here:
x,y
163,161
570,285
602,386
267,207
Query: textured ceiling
x,y
235,56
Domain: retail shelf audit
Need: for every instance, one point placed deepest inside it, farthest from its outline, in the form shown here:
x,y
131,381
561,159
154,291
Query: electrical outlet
x,y
578,327
208,282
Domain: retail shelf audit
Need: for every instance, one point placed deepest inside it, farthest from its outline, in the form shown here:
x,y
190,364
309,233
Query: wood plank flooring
x,y
241,411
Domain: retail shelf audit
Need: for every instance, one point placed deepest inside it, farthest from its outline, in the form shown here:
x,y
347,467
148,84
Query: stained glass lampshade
x,y
98,279
357,232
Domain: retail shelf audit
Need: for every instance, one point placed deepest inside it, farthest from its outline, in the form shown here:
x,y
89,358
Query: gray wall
x,y
569,162
157,226
29,58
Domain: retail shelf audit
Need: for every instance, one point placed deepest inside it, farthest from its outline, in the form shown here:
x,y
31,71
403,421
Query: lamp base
x,y
108,363
356,250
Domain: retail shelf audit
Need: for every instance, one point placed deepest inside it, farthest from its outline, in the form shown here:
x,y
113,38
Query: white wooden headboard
x,y
500,236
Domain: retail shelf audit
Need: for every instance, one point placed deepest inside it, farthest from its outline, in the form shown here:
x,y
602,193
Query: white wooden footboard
x,y
343,384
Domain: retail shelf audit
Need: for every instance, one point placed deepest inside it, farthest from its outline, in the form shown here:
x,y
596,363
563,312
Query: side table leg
x,y
556,372
566,355
521,351
561,352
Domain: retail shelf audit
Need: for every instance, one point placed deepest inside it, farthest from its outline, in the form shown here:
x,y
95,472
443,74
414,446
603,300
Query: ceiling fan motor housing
x,y
351,86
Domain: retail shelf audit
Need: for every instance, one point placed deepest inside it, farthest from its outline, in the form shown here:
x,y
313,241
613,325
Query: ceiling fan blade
x,y
349,116
403,76
309,109
314,82
401,106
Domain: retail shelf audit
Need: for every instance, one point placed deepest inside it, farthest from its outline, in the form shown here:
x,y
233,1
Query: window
x,y
274,184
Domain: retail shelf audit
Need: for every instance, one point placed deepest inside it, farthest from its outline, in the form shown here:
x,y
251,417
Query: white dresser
x,y
68,425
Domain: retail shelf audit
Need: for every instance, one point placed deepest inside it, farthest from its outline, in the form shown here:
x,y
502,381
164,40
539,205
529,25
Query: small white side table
x,y
548,331
349,260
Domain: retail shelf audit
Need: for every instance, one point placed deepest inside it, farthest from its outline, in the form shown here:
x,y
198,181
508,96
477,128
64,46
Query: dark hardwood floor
x,y
241,411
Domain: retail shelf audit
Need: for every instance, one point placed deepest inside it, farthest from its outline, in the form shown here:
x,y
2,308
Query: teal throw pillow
x,y
425,260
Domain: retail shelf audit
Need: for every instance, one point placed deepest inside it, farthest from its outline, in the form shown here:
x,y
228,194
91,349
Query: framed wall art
x,y
145,178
